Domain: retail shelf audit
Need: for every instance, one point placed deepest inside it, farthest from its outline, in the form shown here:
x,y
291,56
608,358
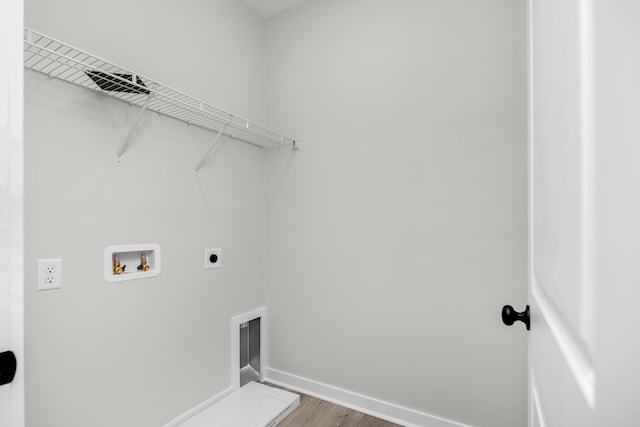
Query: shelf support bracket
x,y
132,129
213,144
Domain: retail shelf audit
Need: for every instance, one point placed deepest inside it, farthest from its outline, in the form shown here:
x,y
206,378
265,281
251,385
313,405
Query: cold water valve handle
x,y
509,316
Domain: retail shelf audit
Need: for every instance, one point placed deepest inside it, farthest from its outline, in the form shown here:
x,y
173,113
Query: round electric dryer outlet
x,y
212,258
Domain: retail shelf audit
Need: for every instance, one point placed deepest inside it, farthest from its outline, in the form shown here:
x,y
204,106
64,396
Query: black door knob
x,y
509,316
8,367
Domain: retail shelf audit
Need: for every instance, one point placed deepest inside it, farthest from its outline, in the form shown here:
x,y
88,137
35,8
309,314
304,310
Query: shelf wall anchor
x,y
132,129
213,144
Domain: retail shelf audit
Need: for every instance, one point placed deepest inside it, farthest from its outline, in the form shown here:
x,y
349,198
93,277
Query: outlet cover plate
x,y
49,274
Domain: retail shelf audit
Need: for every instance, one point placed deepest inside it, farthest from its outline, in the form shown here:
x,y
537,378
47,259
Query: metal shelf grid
x,y
59,60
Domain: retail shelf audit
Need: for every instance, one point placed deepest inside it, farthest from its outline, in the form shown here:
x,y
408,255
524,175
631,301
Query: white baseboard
x,y
199,408
368,405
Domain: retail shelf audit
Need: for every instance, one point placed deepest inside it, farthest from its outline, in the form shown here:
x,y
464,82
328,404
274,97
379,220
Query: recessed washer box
x,y
129,262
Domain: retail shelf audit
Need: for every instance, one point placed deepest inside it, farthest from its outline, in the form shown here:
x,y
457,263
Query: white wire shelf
x,y
59,60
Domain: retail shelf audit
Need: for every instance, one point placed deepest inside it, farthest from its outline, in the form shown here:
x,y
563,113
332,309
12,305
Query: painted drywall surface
x,y
139,353
398,230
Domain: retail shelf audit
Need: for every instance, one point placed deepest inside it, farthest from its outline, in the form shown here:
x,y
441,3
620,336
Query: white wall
x,y
398,230
393,237
139,353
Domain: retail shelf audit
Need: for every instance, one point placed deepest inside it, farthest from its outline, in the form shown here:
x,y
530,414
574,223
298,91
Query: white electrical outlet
x,y
49,274
212,258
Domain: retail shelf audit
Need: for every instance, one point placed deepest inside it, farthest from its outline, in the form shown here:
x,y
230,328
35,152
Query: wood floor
x,y
314,412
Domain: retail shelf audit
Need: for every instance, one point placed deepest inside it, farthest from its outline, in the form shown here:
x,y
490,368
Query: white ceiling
x,y
268,8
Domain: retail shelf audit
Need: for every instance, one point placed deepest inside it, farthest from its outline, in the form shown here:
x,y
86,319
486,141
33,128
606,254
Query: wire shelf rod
x,y
56,59
173,100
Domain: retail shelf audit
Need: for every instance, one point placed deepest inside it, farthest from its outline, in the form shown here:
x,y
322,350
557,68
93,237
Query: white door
x,y
584,345
11,200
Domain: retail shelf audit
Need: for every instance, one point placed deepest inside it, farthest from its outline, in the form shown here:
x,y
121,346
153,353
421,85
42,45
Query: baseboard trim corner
x,y
199,408
358,402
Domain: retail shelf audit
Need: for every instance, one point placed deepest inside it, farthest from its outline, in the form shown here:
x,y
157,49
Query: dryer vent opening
x,y
249,351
